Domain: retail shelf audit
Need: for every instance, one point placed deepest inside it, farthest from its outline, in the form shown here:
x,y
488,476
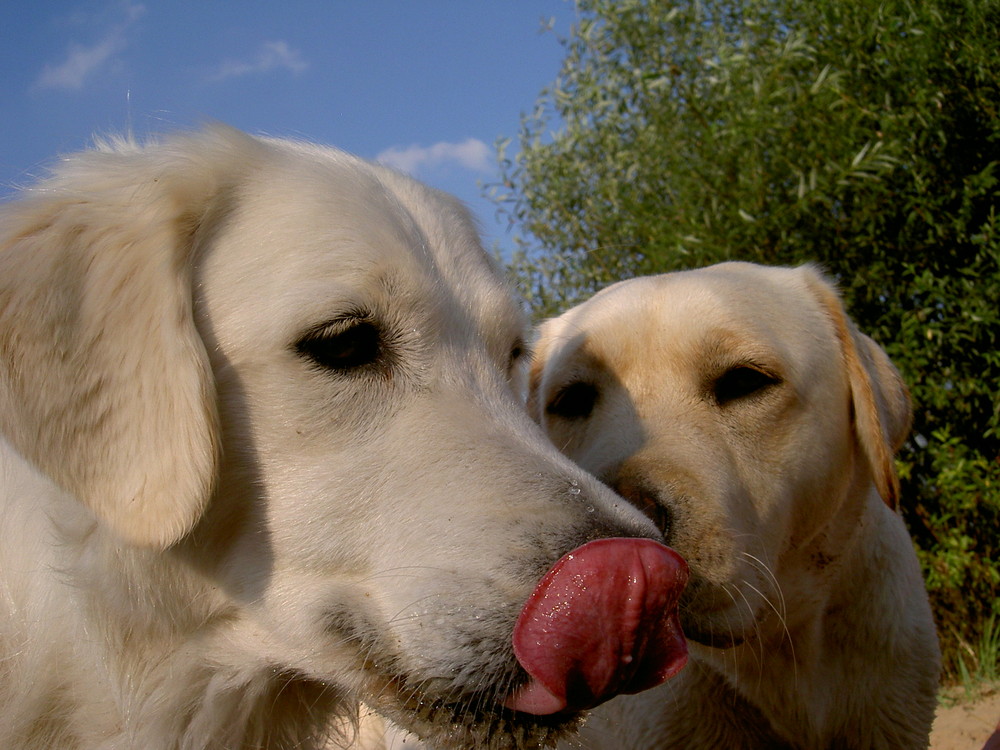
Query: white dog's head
x,y
740,408
296,373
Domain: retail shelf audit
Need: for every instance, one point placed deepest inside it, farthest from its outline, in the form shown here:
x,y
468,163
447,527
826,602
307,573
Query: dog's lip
x,y
694,630
432,706
468,718
701,623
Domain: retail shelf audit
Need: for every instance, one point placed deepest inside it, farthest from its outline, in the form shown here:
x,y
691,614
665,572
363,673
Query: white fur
x,y
207,540
808,621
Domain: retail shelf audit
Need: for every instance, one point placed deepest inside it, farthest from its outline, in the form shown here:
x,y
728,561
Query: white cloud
x,y
83,61
270,56
471,154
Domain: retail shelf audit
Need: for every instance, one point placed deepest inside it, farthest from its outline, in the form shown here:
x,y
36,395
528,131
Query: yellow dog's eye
x,y
574,401
339,348
740,383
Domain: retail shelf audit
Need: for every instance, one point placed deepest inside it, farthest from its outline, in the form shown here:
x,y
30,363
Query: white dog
x,y
741,409
263,459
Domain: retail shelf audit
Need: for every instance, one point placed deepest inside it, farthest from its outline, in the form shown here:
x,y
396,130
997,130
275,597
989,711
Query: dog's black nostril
x,y
659,514
647,501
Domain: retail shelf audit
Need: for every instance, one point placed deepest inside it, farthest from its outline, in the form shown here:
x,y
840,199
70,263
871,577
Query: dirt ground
x,y
967,724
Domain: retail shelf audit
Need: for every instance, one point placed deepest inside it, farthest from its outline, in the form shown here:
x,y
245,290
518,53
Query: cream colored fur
x,y
807,617
214,533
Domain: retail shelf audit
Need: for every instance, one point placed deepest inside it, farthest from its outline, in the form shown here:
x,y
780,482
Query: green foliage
x,y
979,663
863,135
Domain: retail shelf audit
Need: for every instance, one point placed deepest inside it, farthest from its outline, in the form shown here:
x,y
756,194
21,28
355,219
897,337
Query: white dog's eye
x,y
574,401
517,352
342,348
741,382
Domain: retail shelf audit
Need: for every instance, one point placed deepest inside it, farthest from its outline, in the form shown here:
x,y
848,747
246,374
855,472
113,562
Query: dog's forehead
x,y
451,238
733,310
317,232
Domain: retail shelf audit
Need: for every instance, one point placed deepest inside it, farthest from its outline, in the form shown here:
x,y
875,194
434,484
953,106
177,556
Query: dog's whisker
x,y
766,570
767,601
782,618
780,610
732,633
784,626
408,571
410,613
758,649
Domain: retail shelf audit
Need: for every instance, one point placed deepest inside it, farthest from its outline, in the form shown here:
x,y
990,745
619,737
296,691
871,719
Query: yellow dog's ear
x,y
105,384
546,333
882,408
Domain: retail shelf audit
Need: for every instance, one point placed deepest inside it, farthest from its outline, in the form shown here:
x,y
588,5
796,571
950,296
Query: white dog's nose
x,y
601,622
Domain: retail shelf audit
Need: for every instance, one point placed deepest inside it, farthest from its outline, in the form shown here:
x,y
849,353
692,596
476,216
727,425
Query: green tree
x,y
863,135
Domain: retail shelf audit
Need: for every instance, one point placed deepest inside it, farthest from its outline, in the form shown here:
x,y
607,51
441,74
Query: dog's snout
x,y
595,512
644,497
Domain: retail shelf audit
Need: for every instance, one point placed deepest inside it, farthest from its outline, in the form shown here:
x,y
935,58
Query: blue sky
x,y
426,85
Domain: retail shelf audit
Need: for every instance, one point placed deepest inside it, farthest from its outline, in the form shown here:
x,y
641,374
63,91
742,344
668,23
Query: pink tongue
x,y
602,621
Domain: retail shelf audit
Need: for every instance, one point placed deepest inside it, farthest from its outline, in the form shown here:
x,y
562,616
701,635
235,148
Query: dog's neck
x,y
110,593
267,706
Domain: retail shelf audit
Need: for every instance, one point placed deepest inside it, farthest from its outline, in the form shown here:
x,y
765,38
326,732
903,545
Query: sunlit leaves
x,y
865,136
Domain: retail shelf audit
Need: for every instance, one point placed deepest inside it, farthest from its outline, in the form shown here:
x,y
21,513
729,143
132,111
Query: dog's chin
x,y
474,720
449,711
718,629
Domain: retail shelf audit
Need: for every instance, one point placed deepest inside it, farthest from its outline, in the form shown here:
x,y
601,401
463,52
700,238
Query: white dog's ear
x,y
105,384
882,407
